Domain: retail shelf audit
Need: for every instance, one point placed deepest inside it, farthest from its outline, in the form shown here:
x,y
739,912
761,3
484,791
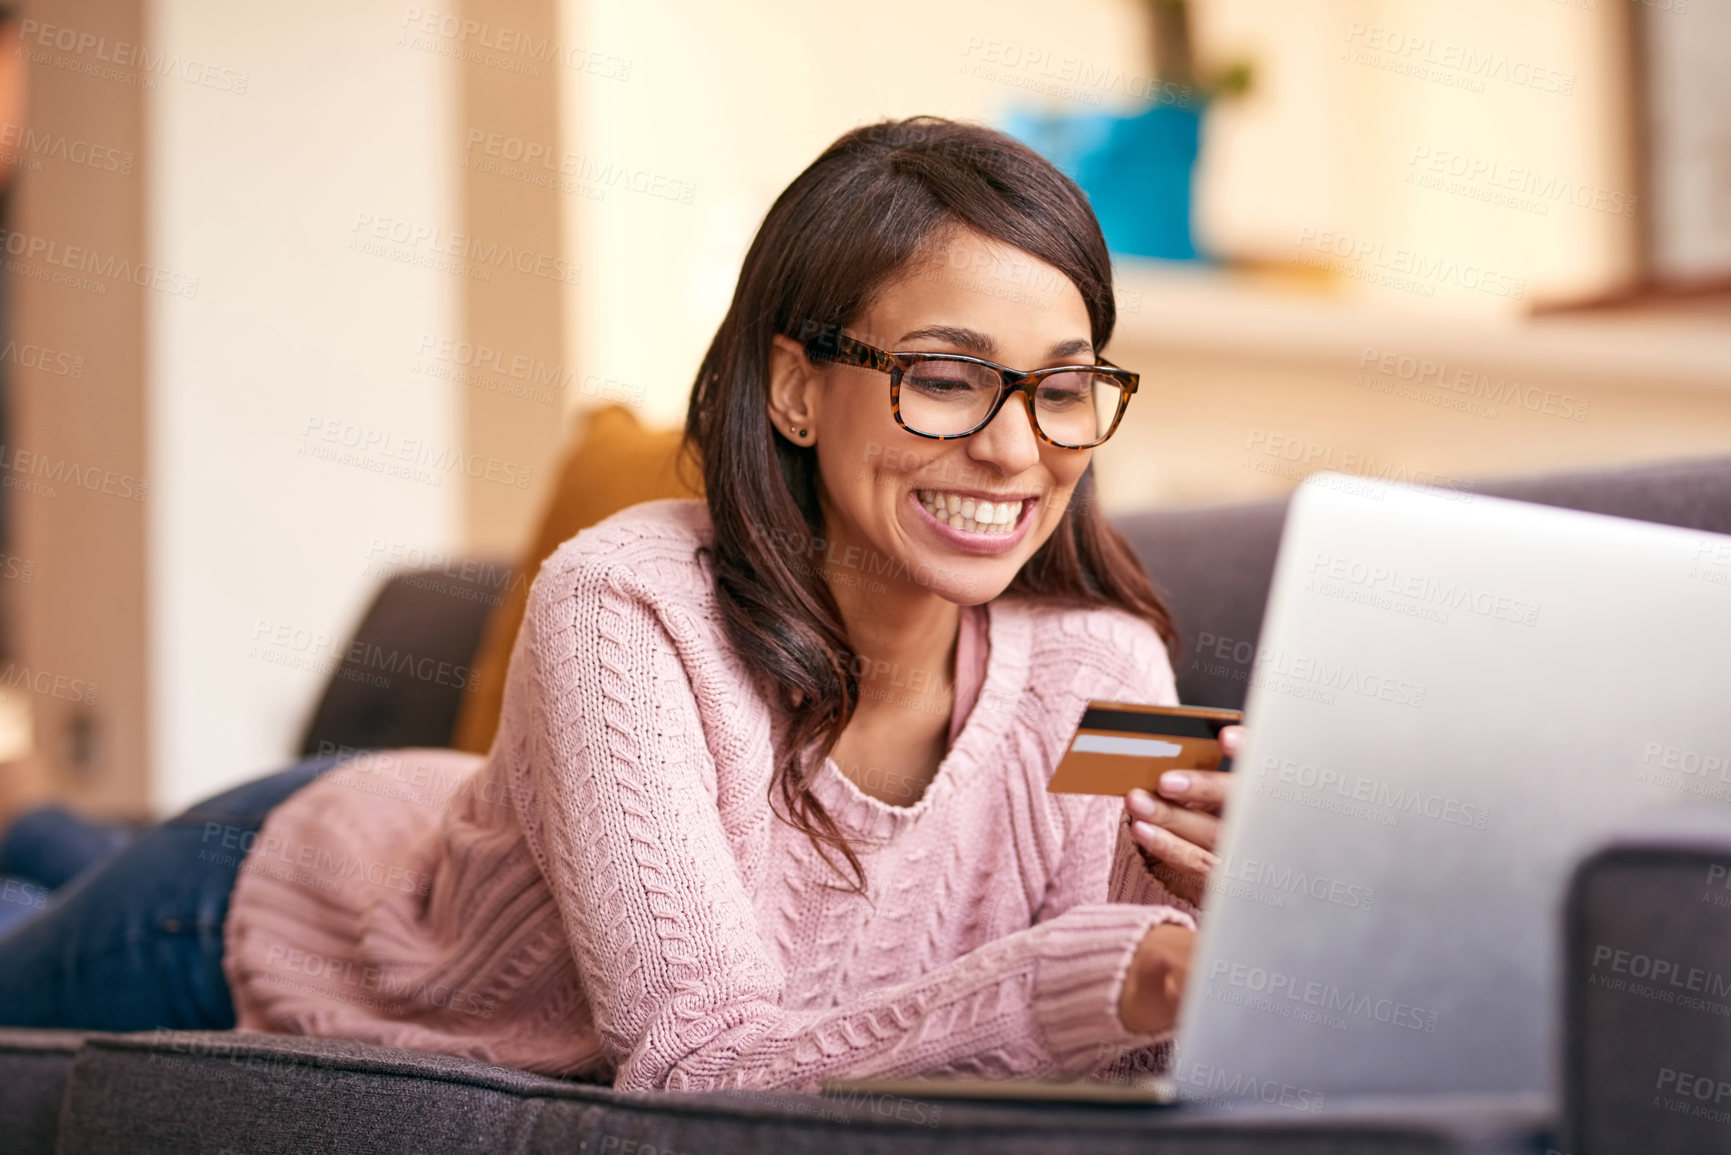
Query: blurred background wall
x,y
278,395
392,252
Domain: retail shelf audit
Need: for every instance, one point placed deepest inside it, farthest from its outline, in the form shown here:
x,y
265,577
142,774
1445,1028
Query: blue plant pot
x,y
1136,170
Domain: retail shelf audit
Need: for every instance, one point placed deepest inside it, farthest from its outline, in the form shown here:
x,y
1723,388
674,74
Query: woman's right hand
x,y
1177,832
1154,986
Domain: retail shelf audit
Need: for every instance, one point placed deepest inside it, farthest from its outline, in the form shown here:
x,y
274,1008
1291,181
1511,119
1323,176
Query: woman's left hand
x,y
1177,828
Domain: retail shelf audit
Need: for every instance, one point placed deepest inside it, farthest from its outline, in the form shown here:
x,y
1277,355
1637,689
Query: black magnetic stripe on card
x,y
1170,725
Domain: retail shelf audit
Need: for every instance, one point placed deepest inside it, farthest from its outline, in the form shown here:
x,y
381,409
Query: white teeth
x,y
971,514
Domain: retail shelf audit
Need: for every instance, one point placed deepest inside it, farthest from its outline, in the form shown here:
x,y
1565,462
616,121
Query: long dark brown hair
x,y
838,234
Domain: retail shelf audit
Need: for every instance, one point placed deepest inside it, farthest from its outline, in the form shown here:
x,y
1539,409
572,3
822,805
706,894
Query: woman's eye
x,y
938,384
950,377
1065,389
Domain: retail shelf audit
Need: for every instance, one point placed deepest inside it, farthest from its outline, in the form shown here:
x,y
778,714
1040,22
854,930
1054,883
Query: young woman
x,y
767,804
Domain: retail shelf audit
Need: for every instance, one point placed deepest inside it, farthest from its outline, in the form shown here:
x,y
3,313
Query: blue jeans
x,y
135,942
51,846
44,850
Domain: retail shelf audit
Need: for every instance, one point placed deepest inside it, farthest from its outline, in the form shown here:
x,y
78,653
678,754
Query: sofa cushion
x,y
1213,565
207,1091
612,462
34,1069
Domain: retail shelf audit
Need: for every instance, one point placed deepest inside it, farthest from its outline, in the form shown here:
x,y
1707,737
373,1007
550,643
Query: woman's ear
x,y
793,391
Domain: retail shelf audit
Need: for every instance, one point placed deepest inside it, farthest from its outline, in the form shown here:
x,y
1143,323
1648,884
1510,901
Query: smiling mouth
x,y
970,514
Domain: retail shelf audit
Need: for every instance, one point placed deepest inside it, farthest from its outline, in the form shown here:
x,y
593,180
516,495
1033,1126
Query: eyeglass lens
x,y
945,398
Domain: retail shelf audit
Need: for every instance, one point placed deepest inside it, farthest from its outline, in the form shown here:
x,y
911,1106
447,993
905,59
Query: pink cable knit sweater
x,y
608,893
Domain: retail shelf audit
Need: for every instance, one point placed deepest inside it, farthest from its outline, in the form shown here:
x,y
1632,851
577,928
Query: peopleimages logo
x,y
1473,384
1235,1086
1486,176
579,166
1297,457
512,49
1424,269
413,457
1380,578
1323,997
373,234
396,989
41,474
93,52
1451,62
1323,676
16,138
1692,1086
1662,971
42,359
51,252
1309,779
48,684
1284,880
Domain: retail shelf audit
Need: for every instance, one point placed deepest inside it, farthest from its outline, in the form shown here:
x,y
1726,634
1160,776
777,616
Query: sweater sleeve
x,y
1100,862
685,992
1099,858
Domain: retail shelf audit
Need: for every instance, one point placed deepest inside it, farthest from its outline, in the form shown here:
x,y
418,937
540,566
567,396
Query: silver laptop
x,y
1452,697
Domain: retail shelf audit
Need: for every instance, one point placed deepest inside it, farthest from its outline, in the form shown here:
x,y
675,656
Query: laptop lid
x,y
1453,694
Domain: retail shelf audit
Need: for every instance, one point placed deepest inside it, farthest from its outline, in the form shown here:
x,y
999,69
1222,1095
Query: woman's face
x,y
881,486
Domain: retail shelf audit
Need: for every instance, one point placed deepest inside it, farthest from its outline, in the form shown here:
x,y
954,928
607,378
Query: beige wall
x,y
1487,144
1358,102
295,390
731,101
281,394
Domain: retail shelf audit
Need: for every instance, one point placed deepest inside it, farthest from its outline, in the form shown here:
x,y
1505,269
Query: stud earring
x,y
800,433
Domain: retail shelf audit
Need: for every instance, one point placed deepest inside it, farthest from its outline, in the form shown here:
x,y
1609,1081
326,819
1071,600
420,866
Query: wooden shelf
x,y
1238,369
1202,307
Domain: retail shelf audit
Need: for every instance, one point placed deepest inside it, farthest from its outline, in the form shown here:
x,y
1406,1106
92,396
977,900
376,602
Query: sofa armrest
x,y
403,676
1647,990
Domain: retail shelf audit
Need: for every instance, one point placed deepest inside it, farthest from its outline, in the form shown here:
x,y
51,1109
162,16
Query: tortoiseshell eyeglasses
x,y
949,395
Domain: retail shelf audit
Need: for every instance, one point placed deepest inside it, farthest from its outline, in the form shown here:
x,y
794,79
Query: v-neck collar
x,y
1008,627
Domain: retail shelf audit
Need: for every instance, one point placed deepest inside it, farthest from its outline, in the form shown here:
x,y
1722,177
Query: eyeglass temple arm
x,y
829,343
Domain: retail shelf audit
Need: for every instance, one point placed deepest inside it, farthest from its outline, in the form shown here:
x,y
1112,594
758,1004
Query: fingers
x,y
1187,849
1232,740
1193,826
1208,790
1177,852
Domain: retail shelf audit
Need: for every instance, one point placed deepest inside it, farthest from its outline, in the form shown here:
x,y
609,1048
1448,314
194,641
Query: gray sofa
x,y
213,1092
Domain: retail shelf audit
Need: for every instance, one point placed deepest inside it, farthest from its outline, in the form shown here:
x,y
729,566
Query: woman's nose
x,y
1009,442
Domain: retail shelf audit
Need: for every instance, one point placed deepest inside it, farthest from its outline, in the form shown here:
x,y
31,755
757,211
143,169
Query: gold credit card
x,y
1121,746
